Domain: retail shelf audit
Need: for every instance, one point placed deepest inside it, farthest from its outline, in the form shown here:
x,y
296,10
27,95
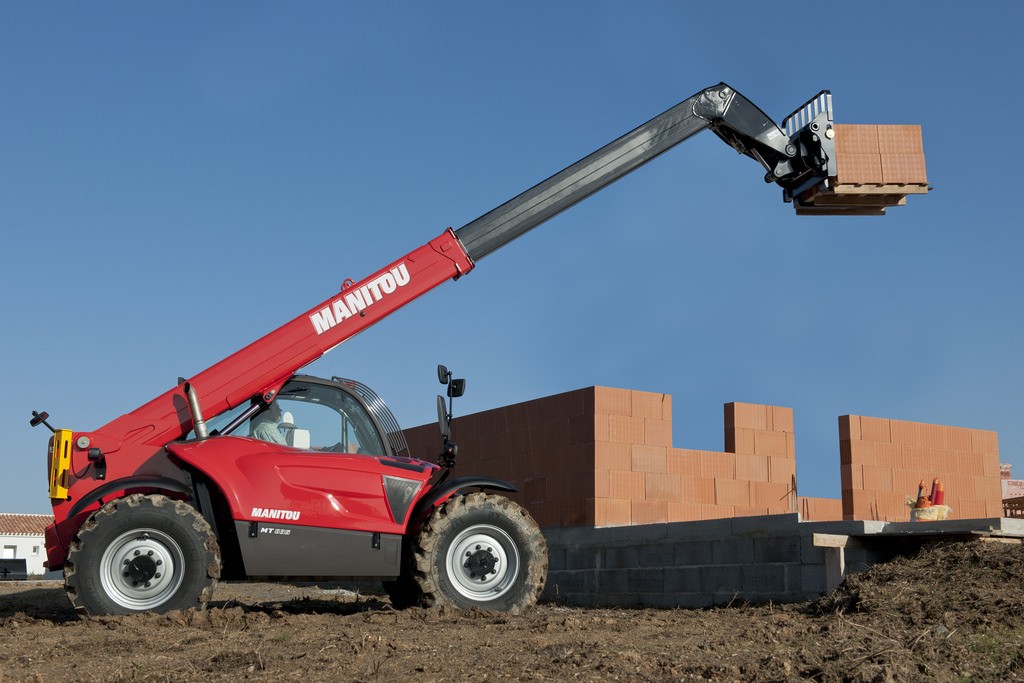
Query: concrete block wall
x,y
694,564
883,461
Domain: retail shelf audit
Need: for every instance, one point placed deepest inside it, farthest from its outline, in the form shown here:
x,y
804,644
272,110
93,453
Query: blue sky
x,y
180,178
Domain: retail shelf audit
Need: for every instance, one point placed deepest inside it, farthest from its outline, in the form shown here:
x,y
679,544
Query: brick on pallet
x,y
857,138
899,139
858,169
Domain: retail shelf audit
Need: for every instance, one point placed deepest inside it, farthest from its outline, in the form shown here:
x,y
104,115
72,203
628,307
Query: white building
x,y
21,538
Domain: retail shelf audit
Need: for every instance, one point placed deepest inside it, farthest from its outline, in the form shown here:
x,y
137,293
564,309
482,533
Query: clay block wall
x,y
604,457
883,461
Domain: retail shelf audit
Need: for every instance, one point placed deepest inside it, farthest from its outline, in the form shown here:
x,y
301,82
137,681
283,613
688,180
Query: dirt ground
x,y
955,612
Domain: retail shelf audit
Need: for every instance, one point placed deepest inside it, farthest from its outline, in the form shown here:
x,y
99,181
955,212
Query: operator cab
x,y
310,413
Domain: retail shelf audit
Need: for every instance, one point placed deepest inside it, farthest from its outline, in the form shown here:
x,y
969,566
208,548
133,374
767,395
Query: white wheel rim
x,y
142,569
482,562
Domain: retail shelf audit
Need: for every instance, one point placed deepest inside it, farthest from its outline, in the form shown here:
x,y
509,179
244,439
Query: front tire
x,y
142,554
481,550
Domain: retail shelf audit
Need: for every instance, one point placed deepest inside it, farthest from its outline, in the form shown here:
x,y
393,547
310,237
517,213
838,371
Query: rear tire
x,y
142,554
481,550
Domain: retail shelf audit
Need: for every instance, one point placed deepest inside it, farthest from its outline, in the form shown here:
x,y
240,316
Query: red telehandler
x,y
248,470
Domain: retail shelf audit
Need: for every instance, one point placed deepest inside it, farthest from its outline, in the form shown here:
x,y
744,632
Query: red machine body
x,y
133,445
149,507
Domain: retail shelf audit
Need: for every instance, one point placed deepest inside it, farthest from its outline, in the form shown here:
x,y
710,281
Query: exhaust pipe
x,y
193,408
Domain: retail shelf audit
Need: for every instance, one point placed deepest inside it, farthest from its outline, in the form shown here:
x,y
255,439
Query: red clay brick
x,y
774,444
862,452
900,139
626,485
739,440
683,462
685,511
858,169
608,401
746,416
696,490
732,492
661,486
781,470
874,429
851,477
602,484
658,432
535,490
958,438
903,169
775,497
625,429
646,404
752,511
849,427
718,511
877,478
714,465
984,441
782,419
752,467
858,138
821,509
888,454
649,511
612,456
649,459
612,512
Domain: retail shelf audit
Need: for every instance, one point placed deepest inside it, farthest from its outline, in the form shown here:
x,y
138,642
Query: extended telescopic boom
x,y
258,371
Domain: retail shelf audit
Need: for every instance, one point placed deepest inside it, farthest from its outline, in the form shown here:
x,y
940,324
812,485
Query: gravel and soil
x,y
954,612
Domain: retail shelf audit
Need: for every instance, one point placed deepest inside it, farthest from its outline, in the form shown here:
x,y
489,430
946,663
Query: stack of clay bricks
x,y
882,463
877,166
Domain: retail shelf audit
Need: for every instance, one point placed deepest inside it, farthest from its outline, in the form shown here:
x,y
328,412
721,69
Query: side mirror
x,y
457,388
443,375
442,418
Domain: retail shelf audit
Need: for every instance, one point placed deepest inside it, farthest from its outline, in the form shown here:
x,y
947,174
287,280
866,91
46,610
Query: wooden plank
x,y
830,540
859,200
880,189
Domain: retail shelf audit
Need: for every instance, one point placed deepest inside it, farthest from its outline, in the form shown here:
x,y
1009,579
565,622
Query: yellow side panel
x,y
60,463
